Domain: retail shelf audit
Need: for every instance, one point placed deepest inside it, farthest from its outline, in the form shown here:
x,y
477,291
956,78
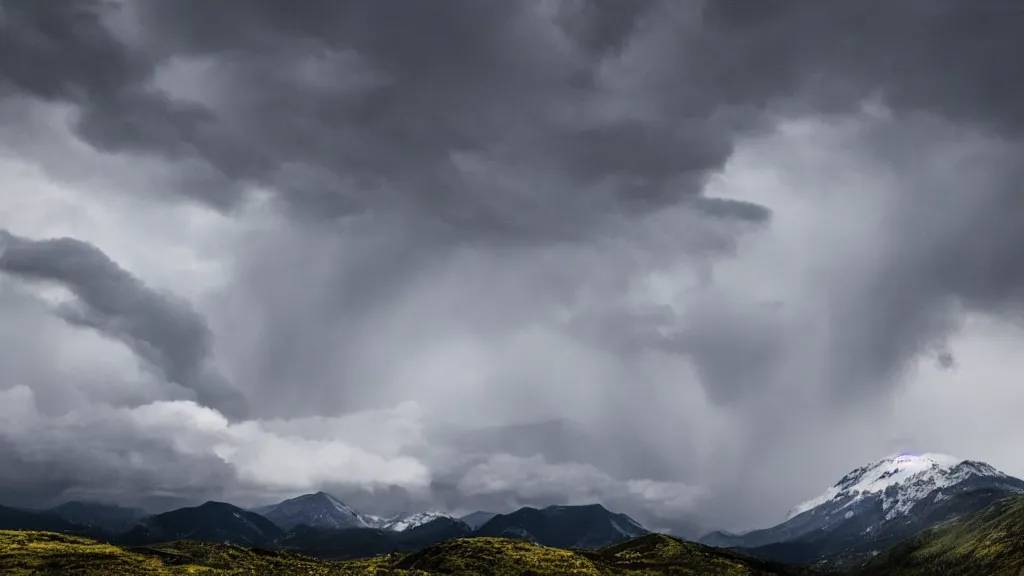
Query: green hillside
x,y
44,553
660,554
988,543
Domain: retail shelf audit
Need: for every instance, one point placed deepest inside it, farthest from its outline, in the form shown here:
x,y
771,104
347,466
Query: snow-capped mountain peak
x,y
403,523
320,510
338,505
900,480
882,502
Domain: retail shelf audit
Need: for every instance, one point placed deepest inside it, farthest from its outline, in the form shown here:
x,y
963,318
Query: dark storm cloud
x,y
353,105
475,123
63,52
358,104
951,60
163,331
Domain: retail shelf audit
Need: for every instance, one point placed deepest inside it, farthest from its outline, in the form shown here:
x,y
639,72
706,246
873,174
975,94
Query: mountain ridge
x,y
211,521
318,510
588,526
877,505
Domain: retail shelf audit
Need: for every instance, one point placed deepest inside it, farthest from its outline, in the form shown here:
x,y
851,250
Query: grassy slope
x,y
989,543
41,553
44,553
660,554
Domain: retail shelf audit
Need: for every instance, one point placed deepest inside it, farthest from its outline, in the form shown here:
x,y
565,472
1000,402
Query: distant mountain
x,y
320,510
19,519
347,543
989,542
106,517
590,526
437,530
403,522
477,519
210,522
876,506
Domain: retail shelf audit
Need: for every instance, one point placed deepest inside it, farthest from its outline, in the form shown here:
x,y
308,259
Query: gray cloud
x,y
445,118
609,248
161,330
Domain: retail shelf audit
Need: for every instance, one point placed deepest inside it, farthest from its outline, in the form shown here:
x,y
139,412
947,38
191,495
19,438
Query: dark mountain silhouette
x,y
19,519
478,518
346,543
105,517
210,522
589,526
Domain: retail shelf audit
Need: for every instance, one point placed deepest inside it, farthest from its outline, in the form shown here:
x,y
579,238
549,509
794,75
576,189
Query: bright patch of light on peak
x,y
415,520
913,475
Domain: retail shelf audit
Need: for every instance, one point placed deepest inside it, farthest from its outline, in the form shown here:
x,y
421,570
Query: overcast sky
x,y
693,260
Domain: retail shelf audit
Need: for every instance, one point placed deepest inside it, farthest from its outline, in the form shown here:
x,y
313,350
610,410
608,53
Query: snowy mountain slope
x,y
901,481
403,523
878,503
320,510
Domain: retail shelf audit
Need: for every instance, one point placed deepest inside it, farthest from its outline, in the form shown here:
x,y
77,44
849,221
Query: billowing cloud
x,y
161,330
692,259
181,451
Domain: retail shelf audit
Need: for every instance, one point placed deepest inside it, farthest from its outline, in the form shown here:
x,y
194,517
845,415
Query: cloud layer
x,y
661,255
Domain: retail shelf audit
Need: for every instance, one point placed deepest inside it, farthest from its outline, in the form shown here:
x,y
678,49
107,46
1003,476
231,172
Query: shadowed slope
x,y
990,542
44,553
662,553
211,522
589,526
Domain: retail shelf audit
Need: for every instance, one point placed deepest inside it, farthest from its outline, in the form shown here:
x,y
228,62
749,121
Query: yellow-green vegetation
x,y
26,553
498,557
660,554
989,543
43,553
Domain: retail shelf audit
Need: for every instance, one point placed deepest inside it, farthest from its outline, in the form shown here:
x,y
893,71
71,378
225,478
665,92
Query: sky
x,y
691,260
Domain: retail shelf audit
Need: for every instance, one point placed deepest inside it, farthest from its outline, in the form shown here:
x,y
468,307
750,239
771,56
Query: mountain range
x,y
989,542
321,525
867,512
